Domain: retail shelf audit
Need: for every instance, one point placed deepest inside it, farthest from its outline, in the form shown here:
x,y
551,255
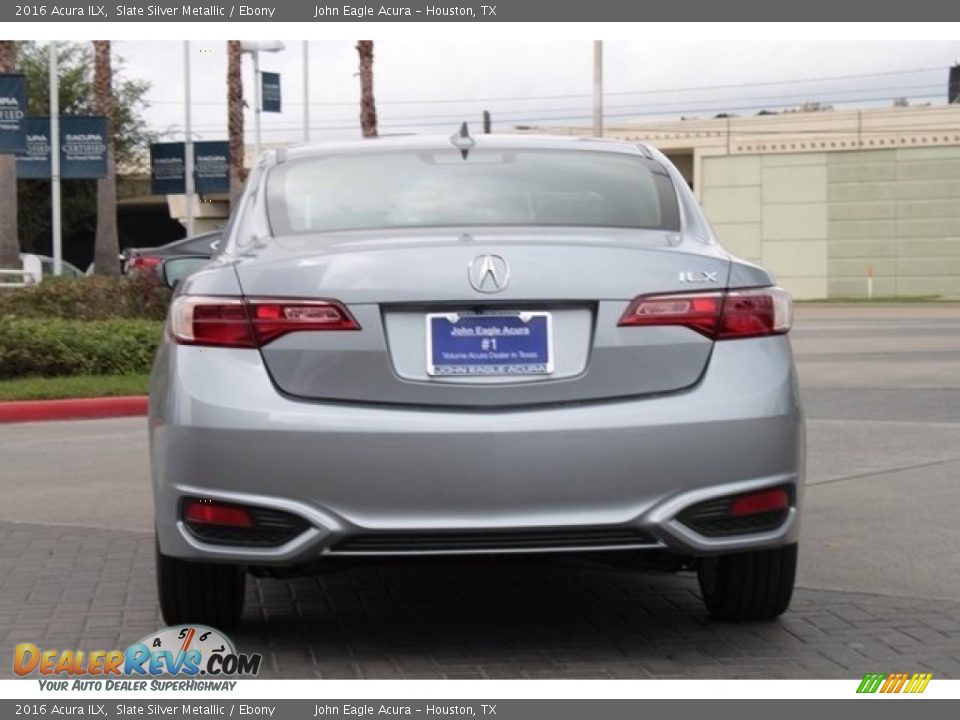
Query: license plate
x,y
505,344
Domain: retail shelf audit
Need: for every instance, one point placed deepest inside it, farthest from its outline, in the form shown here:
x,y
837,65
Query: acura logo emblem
x,y
489,273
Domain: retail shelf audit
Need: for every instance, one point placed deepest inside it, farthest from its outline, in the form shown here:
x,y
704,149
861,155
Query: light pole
x,y
598,88
187,140
55,159
306,91
254,49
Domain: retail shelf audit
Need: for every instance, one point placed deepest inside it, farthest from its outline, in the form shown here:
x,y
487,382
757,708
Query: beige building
x,y
822,198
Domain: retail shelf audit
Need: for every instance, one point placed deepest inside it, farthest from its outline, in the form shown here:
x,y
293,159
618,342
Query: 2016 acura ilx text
x,y
504,344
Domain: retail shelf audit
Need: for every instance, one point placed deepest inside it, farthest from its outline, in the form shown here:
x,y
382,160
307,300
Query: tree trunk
x,y
9,240
368,106
238,173
107,246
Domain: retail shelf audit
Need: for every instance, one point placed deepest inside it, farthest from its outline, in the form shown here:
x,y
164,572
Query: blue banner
x,y
34,163
167,169
211,168
83,148
270,91
13,112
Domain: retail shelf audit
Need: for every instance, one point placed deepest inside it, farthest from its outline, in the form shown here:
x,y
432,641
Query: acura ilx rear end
x,y
455,346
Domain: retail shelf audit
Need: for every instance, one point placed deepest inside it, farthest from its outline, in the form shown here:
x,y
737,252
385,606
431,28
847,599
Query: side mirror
x,y
176,269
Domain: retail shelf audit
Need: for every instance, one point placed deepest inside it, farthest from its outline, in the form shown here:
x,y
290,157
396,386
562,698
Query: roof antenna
x,y
462,140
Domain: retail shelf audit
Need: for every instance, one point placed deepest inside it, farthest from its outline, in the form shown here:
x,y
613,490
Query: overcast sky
x,y
431,87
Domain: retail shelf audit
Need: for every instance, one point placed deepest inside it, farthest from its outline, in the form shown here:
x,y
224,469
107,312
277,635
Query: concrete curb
x,y
73,409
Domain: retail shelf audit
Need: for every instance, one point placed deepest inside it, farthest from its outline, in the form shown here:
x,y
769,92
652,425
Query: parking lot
x,y
877,591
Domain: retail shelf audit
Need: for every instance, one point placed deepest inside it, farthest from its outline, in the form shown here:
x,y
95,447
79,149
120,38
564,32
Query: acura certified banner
x,y
211,167
83,148
13,111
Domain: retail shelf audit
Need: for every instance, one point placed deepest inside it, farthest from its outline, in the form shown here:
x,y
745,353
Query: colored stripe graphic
x,y
890,682
894,683
871,682
918,683
899,684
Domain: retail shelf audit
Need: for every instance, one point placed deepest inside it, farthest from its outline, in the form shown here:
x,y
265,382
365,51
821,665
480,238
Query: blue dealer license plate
x,y
507,344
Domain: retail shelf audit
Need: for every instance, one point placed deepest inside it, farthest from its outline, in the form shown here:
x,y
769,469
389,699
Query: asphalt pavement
x,y
881,390
878,577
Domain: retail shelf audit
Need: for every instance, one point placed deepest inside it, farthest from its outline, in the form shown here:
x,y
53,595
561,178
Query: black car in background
x,y
149,258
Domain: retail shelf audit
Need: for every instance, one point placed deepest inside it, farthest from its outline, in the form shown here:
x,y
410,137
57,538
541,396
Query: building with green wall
x,y
824,199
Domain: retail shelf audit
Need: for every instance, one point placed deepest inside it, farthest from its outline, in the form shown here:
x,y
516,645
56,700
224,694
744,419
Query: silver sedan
x,y
502,344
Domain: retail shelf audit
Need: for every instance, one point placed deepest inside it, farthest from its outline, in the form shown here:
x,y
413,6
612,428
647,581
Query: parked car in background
x,y
33,269
456,346
149,258
46,265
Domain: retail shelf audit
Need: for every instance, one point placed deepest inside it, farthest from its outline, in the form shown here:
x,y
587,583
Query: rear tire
x,y
200,593
749,586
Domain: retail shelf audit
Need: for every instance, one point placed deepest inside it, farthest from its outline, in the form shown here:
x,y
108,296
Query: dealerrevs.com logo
x,y
185,651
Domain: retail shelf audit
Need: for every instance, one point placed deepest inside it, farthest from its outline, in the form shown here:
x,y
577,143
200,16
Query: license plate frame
x,y
510,354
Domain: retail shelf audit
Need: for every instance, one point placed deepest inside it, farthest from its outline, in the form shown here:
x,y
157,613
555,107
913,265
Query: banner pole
x,y
257,105
306,91
598,88
188,139
55,159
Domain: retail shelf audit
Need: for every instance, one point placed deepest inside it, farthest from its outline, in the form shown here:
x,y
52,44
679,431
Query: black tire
x,y
200,593
749,586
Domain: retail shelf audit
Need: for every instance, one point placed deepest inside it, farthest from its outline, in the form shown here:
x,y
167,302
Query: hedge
x,y
53,346
140,295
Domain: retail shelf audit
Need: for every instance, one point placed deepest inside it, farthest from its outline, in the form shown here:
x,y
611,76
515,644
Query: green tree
x,y
133,136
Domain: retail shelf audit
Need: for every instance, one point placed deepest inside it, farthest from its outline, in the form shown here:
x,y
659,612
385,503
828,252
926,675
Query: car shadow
x,y
522,616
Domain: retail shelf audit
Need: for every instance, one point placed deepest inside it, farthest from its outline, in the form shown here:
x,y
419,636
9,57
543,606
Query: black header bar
x,y
302,11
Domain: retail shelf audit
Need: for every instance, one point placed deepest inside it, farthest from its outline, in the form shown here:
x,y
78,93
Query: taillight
x,y
718,315
749,313
233,322
143,262
272,318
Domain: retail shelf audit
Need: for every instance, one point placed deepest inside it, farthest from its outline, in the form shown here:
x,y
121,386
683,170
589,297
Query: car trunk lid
x,y
581,280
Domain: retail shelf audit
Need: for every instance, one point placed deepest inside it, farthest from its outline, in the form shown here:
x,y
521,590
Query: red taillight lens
x,y
760,502
208,512
222,322
718,315
749,313
697,312
232,322
272,319
143,262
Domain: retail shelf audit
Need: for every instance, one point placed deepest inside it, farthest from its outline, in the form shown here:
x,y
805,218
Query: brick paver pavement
x,y
66,587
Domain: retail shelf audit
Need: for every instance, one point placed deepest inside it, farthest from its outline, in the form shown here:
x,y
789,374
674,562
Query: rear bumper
x,y
220,430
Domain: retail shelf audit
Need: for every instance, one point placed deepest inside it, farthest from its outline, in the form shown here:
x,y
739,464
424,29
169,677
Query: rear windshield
x,y
410,189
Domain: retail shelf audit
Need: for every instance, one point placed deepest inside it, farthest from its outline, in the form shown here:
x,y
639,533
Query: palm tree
x,y
9,241
235,119
368,106
107,245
